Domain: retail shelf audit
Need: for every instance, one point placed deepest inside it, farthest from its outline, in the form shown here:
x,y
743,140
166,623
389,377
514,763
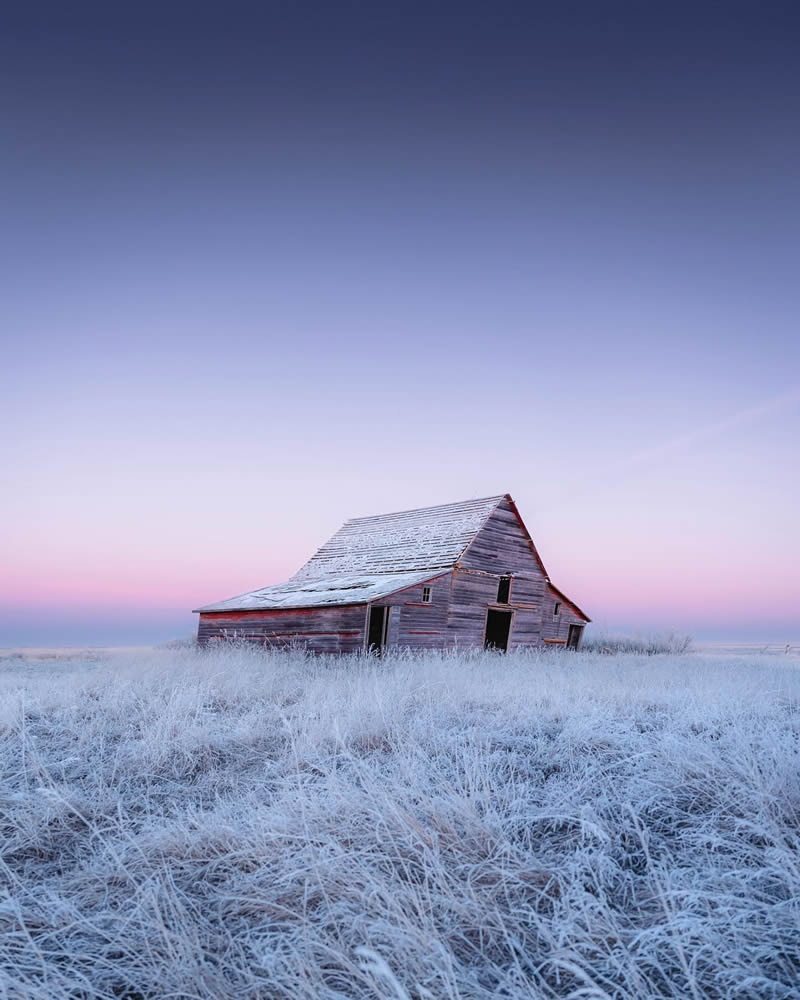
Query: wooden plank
x,y
503,545
321,630
556,627
421,624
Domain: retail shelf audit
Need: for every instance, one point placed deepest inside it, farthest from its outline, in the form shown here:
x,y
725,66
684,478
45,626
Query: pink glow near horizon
x,y
650,547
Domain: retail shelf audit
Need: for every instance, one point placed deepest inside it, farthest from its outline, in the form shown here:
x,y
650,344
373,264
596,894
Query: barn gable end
x,y
502,548
503,545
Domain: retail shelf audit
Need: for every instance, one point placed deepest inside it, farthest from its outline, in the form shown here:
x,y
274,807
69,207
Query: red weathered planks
x,y
323,630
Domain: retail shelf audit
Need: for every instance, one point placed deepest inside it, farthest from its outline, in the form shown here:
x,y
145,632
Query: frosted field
x,y
233,825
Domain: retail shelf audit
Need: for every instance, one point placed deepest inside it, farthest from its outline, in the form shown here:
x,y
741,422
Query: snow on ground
x,y
233,824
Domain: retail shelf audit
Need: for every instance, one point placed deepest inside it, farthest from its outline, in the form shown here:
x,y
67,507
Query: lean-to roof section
x,y
563,597
319,593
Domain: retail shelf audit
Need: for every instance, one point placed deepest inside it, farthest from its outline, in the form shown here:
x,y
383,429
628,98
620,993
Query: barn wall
x,y
472,594
526,629
556,629
321,630
500,547
414,625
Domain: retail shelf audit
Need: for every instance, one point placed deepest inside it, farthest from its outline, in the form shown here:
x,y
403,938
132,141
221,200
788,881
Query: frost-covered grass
x,y
178,824
651,645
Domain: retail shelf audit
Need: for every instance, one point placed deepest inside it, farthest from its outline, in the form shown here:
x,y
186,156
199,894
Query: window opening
x,y
426,595
504,590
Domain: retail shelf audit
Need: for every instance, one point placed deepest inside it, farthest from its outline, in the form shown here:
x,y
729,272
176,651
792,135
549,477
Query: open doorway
x,y
574,636
378,631
498,629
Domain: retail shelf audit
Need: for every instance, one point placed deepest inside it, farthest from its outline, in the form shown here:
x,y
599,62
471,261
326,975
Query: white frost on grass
x,y
248,825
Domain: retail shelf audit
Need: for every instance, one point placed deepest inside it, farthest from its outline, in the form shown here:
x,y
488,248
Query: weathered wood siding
x,y
321,630
471,595
500,548
526,629
414,625
460,599
555,628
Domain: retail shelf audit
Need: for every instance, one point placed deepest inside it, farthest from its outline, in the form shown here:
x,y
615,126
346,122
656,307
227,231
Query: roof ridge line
x,y
419,510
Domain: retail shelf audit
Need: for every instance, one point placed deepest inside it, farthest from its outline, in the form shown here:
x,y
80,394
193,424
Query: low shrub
x,y
671,643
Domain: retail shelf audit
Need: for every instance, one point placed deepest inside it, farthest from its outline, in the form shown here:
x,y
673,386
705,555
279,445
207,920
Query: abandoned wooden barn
x,y
461,574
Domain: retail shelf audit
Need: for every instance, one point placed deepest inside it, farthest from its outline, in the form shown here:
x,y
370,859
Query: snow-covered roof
x,y
371,557
319,593
430,538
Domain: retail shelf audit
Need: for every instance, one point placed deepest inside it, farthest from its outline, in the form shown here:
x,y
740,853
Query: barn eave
x,y
563,597
294,594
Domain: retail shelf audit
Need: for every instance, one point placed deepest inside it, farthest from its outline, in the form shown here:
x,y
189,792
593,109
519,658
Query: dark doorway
x,y
498,629
378,630
574,636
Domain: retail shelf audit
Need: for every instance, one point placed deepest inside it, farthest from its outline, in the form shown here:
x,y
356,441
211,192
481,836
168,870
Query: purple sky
x,y
266,267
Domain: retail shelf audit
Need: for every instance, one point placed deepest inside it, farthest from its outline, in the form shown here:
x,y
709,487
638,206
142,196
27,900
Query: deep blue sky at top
x,y
385,255
470,142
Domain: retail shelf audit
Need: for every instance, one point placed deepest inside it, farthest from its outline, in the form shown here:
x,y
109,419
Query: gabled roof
x,y
371,557
429,538
322,592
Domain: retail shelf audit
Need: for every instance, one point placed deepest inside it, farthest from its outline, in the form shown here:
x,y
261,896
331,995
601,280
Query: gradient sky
x,y
268,266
